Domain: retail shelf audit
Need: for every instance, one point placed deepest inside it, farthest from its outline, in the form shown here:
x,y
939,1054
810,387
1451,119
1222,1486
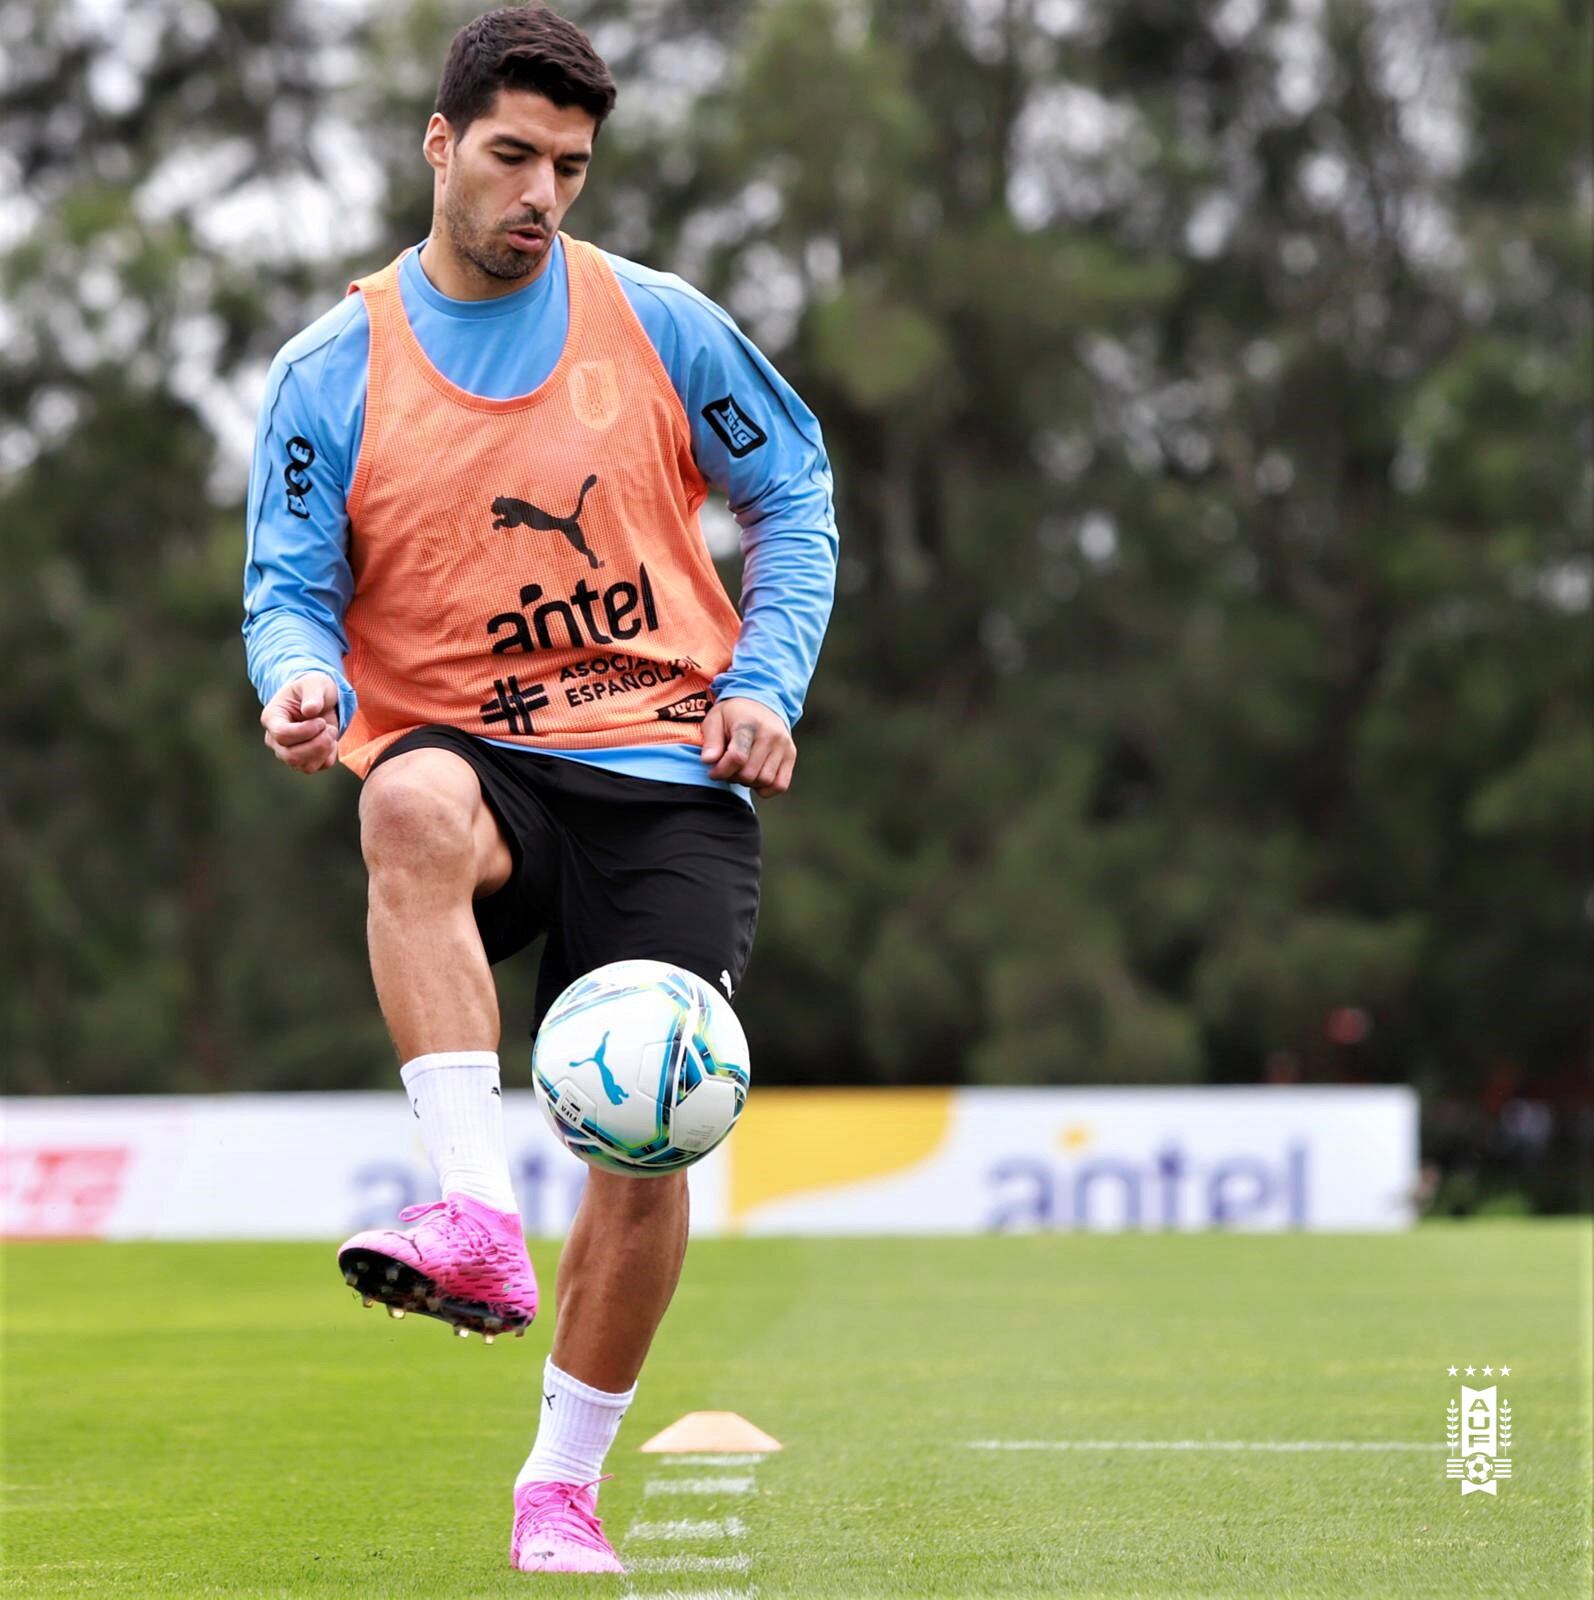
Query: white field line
x,y
1280,1446
689,1528
690,1594
737,1563
720,1485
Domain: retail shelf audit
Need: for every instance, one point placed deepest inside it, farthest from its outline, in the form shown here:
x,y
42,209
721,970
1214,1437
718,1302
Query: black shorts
x,y
610,867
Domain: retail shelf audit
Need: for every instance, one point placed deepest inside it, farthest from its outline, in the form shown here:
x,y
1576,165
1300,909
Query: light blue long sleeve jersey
x,y
764,451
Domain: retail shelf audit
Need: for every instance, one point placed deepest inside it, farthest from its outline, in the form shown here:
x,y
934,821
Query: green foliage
x,y
1208,399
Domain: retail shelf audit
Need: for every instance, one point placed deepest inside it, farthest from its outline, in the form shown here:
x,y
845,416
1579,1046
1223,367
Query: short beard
x,y
502,263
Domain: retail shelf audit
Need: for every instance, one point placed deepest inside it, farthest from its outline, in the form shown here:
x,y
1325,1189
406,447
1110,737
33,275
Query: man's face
x,y
504,186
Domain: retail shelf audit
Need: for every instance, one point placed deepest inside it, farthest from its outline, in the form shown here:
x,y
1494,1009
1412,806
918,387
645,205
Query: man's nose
x,y
540,187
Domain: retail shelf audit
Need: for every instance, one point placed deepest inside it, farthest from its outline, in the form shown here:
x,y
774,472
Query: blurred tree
x,y
1129,324
179,913
1207,386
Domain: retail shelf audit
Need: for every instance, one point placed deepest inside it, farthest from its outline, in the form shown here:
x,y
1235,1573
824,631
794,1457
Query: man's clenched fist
x,y
301,723
745,742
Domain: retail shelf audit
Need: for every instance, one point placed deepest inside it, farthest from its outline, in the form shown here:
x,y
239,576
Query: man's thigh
x,y
517,841
423,782
653,871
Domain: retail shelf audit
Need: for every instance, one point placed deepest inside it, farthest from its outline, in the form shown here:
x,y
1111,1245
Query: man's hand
x,y
301,723
745,742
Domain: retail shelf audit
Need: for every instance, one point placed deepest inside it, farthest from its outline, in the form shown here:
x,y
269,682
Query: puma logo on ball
x,y
513,513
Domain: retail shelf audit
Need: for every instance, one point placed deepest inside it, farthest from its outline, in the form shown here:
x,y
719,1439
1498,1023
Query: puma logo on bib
x,y
513,513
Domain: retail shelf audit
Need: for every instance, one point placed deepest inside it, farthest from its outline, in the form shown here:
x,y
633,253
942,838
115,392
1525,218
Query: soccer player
x,y
476,577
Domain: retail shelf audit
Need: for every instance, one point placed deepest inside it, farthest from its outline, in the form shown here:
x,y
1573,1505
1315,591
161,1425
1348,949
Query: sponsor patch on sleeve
x,y
739,433
301,457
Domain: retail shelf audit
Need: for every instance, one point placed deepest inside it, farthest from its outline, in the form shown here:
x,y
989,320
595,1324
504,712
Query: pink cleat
x,y
466,1265
557,1530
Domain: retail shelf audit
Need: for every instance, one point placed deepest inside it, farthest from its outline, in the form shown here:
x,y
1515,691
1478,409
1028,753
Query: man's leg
x,y
668,873
432,846
618,1271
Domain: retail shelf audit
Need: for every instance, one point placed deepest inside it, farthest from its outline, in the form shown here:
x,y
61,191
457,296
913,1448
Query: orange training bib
x,y
530,570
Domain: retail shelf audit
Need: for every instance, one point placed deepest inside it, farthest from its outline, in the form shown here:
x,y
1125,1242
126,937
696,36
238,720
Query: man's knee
x,y
417,816
622,1202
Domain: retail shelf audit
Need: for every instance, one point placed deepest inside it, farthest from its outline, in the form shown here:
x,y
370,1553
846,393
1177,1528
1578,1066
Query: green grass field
x,y
184,1420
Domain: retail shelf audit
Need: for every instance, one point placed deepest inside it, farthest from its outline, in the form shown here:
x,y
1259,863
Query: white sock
x,y
576,1426
458,1099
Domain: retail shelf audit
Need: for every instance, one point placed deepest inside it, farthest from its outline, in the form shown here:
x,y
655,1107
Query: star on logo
x,y
1452,1372
1471,1370
1505,1372
1488,1372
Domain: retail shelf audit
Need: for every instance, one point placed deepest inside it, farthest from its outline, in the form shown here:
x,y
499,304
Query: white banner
x,y
318,1166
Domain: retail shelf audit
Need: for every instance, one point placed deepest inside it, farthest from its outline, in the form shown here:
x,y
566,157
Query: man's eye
x,y
508,160
570,172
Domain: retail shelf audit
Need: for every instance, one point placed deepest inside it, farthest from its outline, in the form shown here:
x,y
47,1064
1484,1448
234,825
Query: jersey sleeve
x,y
754,439
297,580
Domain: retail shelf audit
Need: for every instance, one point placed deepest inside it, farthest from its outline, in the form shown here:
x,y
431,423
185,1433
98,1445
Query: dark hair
x,y
522,47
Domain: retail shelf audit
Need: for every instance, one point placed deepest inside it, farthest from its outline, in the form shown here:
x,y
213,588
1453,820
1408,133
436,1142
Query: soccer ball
x,y
640,1068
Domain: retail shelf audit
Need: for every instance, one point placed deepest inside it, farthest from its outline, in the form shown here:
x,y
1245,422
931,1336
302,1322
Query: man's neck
x,y
459,279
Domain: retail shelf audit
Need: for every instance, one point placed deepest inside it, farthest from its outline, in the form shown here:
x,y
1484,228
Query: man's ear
x,y
437,144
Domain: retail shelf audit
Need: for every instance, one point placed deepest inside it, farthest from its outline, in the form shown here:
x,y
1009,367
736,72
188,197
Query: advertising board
x,y
940,1161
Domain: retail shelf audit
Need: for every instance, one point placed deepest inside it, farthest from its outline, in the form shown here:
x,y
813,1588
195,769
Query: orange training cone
x,y
712,1433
